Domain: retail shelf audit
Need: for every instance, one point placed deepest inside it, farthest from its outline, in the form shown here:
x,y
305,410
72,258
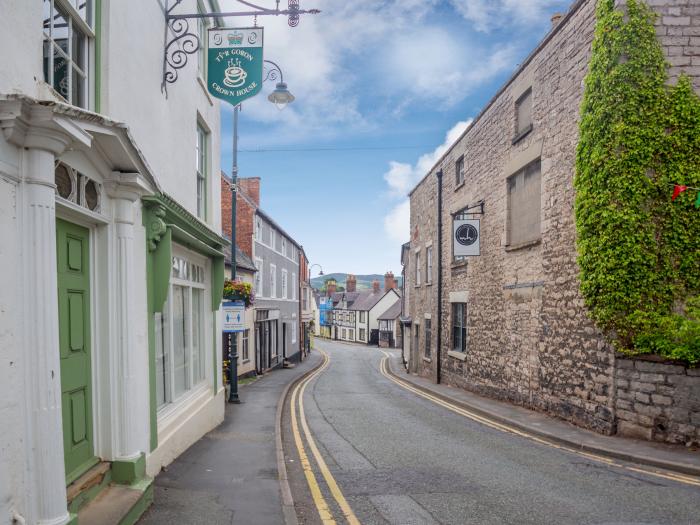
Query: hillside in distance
x,y
364,282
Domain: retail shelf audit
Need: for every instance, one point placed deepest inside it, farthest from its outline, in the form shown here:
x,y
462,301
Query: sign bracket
x,y
180,42
465,211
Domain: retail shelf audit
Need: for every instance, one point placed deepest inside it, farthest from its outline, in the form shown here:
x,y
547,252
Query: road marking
x,y
681,478
320,502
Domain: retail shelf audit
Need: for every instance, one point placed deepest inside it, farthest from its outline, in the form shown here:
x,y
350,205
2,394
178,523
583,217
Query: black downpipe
x,y
439,280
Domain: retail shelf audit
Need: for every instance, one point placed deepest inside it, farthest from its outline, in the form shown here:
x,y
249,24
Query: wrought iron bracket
x,y
180,42
465,211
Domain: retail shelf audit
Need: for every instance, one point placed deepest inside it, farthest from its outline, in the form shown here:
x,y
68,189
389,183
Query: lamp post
x,y
320,270
280,97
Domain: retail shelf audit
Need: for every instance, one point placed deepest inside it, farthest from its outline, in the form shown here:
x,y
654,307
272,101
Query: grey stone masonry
x,y
658,401
529,337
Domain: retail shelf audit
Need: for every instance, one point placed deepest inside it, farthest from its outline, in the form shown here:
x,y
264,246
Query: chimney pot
x,y
375,286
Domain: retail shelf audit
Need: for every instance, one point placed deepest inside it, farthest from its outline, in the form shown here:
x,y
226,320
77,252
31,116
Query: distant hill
x,y
364,282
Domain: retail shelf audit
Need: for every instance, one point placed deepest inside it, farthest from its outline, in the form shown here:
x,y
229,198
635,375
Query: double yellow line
x,y
324,511
681,478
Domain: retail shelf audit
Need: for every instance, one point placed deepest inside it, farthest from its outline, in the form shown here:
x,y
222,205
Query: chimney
x,y
375,286
556,18
351,283
331,287
389,281
251,187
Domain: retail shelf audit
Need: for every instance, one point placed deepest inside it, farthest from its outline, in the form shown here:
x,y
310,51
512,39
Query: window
x,y
245,347
284,246
294,332
258,277
258,229
363,333
428,337
344,334
523,115
179,334
459,327
273,281
68,38
294,286
284,284
272,238
418,269
202,167
524,205
428,265
352,334
459,171
362,317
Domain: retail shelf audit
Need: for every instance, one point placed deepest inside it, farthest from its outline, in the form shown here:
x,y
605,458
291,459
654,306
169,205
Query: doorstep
x,y
118,504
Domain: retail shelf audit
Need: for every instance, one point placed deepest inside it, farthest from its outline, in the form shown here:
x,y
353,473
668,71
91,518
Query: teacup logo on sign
x,y
235,63
466,237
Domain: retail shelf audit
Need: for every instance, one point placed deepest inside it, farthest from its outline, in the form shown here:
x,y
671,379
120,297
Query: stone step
x,y
88,480
117,505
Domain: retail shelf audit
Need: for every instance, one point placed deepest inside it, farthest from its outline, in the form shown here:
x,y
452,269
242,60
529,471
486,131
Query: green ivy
x,y
639,252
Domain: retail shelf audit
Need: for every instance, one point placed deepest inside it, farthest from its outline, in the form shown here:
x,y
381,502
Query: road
x,y
391,456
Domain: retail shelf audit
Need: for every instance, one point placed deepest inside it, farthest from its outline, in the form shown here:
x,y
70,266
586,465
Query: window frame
x,y
521,132
259,277
51,49
245,346
522,172
463,328
273,281
428,335
429,265
202,170
417,274
285,284
459,171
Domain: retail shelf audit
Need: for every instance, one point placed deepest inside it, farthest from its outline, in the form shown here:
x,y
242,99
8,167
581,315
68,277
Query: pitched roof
x,y
366,301
392,313
242,260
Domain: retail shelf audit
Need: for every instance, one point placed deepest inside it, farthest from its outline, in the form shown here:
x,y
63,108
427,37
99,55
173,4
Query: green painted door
x,y
73,254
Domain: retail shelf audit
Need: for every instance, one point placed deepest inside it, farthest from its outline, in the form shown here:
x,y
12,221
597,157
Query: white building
x,y
112,265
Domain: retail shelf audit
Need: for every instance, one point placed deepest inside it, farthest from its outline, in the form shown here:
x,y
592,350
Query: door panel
x,y
73,256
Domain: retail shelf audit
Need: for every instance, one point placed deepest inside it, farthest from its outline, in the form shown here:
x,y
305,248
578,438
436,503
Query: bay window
x,y
180,330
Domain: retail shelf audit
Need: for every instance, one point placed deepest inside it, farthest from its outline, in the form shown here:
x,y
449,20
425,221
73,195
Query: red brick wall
x,y
245,213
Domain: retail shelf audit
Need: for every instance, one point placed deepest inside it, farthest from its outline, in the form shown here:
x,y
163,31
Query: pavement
x,y
399,458
230,476
677,458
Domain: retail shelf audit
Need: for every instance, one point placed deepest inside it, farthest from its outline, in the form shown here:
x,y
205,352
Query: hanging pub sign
x,y
235,63
465,238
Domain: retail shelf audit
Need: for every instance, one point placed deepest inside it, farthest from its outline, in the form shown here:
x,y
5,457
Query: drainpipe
x,y
439,279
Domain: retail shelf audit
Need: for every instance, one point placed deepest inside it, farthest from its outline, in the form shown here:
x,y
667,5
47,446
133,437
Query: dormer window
x,y
523,115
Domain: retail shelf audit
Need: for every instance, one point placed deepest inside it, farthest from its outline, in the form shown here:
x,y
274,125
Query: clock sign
x,y
466,237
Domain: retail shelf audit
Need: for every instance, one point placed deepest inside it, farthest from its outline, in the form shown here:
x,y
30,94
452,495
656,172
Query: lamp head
x,y
281,96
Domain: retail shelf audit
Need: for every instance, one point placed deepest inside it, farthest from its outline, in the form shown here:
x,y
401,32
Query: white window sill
x,y
457,355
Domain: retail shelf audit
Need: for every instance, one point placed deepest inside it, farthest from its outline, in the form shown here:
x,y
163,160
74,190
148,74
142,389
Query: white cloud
x,y
402,177
357,64
487,15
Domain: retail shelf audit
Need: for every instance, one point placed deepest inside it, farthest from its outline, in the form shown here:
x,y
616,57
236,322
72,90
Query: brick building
x,y
511,323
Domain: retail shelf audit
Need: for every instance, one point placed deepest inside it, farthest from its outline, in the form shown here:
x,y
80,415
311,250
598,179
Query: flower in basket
x,y
238,291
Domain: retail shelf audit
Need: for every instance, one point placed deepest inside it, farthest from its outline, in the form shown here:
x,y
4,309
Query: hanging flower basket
x,y
238,291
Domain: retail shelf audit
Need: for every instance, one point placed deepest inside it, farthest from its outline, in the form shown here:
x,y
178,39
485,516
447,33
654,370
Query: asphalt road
x,y
399,458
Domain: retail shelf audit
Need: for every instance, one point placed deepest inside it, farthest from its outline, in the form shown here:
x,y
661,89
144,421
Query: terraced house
x,y
511,323
112,261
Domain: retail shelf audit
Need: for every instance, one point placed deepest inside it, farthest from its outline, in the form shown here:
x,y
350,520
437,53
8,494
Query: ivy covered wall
x,y
639,250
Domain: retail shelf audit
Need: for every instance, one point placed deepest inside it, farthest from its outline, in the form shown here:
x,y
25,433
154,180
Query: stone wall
x,y
530,340
658,401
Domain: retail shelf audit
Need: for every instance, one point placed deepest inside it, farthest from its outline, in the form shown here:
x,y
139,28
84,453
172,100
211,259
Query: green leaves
x,y
639,253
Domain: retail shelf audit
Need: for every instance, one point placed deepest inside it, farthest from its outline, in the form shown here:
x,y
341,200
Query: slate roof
x,y
242,260
366,301
392,313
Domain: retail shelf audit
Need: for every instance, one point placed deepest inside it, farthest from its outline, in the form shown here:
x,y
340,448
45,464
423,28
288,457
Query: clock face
x,y
466,235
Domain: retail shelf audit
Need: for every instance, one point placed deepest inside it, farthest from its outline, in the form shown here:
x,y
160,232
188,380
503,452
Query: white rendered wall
x,y
382,306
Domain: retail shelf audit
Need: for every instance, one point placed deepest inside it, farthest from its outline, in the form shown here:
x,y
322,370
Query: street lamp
x,y
320,272
280,97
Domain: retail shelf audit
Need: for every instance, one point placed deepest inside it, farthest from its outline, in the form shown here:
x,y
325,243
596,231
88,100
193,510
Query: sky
x,y
383,88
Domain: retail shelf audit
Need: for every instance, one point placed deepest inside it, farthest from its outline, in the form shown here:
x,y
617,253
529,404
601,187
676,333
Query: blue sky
x,y
382,87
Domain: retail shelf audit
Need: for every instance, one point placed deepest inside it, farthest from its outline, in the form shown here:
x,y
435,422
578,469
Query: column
x,y
130,366
46,469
